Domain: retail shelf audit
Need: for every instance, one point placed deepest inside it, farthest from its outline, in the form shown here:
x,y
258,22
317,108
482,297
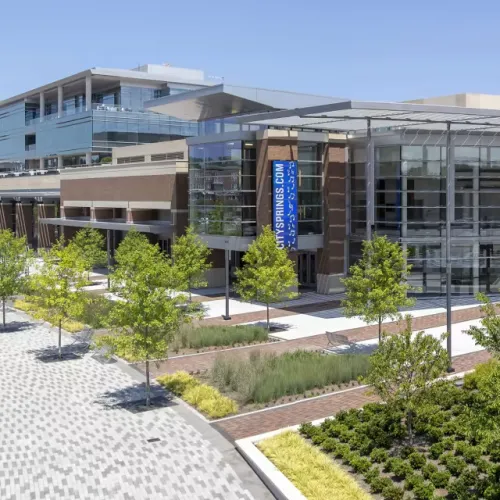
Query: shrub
x,y
469,476
472,454
393,493
424,491
313,473
458,490
412,481
379,455
402,469
342,450
329,445
264,378
371,474
178,382
379,484
417,460
448,443
450,428
483,465
455,465
360,464
206,336
436,450
440,479
406,451
428,470
318,438
207,399
435,433
308,430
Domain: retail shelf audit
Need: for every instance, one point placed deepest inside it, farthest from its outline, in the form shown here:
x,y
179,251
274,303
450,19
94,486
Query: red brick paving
x,y
313,409
204,361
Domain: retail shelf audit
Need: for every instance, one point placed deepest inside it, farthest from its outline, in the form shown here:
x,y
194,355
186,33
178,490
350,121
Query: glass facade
x,y
115,118
410,207
222,188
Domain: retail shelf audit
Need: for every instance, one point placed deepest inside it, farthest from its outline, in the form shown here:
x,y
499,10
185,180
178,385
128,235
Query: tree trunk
x,y
148,387
189,289
3,311
379,329
268,325
60,338
409,418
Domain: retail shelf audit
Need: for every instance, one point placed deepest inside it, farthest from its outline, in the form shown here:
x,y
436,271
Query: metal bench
x,y
336,339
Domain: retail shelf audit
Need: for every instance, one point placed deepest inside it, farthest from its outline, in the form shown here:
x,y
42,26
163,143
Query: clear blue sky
x,y
364,49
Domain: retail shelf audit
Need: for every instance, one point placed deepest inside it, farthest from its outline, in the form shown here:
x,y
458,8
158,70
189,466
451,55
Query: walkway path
x,y
204,361
315,408
65,434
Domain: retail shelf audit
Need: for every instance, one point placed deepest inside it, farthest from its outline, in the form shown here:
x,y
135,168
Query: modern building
x,y
78,120
425,173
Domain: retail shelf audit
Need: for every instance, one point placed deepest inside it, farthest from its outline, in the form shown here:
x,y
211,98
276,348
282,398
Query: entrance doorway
x,y
307,269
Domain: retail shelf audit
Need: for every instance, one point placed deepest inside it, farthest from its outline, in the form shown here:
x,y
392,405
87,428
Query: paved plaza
x,y
64,432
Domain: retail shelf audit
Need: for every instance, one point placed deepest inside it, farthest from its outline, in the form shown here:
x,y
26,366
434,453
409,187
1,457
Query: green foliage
x,y
263,378
455,465
14,260
150,314
379,484
436,450
413,481
377,286
206,336
90,243
329,445
57,285
360,464
403,368
488,335
202,396
190,256
440,479
267,274
428,470
95,311
400,467
371,474
393,493
424,491
417,460
379,455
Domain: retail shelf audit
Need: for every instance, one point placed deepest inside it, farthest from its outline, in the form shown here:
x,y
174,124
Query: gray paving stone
x,y
63,437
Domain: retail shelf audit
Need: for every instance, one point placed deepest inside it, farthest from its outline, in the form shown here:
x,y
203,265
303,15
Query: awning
x,y
358,116
223,101
166,228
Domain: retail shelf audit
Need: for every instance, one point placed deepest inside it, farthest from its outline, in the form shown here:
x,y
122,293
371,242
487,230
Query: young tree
x,y
404,366
488,335
15,257
90,242
143,323
58,283
377,287
268,275
190,256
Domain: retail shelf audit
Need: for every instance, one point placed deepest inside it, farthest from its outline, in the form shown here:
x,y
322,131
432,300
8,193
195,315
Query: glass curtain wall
x,y
410,207
222,188
310,186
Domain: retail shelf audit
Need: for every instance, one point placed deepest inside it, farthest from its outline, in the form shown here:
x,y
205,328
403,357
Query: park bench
x,y
336,339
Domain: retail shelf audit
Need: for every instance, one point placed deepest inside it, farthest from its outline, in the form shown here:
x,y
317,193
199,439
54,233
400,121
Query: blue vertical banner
x,y
285,223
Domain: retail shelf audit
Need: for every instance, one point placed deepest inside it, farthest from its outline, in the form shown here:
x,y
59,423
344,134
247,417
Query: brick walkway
x,y
204,361
304,411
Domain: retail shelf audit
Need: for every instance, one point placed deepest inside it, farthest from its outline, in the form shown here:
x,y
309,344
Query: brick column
x,y
268,150
331,256
6,221
46,232
24,221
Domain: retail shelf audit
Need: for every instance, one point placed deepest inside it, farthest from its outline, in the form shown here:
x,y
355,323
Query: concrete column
x,y
60,162
42,106
60,99
88,93
41,165
88,158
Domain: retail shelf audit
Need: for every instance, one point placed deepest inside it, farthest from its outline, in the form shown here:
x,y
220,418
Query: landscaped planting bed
x,y
455,453
263,379
201,338
317,477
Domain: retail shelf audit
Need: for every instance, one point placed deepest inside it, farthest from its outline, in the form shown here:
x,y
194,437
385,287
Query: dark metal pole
x,y
108,241
227,317
449,215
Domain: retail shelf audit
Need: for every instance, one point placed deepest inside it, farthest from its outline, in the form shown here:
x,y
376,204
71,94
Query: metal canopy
x,y
357,116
